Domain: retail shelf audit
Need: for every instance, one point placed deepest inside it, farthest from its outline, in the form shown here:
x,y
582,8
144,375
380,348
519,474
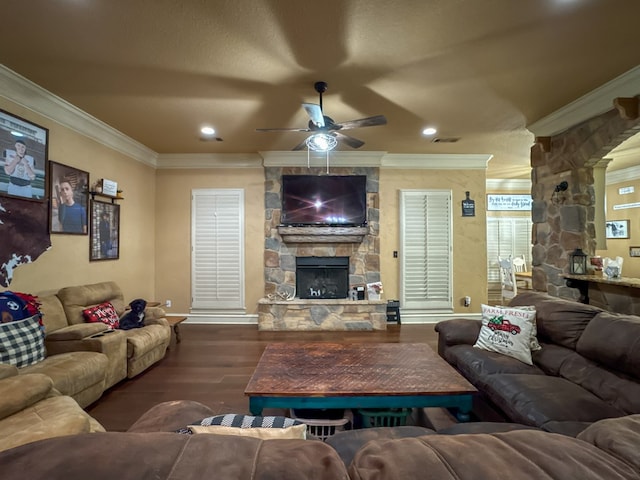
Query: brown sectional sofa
x,y
588,368
84,359
607,450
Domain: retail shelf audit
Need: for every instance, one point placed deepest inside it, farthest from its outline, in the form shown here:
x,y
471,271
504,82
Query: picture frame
x,y
104,231
617,229
24,152
634,251
69,199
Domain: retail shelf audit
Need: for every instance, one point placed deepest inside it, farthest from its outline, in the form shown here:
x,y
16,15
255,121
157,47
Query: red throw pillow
x,y
105,313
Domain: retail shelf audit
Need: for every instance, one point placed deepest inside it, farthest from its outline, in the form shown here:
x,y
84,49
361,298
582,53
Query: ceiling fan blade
x,y
351,141
363,122
282,130
315,113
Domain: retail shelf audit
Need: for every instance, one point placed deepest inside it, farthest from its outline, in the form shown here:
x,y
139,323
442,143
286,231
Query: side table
x,y
175,322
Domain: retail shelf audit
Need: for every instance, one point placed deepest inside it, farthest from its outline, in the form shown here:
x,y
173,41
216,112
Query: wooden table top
x,y
338,369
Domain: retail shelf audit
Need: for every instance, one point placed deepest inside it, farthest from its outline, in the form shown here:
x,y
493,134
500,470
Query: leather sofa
x,y
588,368
607,450
84,359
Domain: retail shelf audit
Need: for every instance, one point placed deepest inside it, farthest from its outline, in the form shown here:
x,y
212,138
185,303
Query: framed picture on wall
x,y
104,239
24,148
617,228
69,199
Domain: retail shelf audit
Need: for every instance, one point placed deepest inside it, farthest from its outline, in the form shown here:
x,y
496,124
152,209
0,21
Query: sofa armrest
x,y
7,370
152,313
22,391
156,321
77,332
457,331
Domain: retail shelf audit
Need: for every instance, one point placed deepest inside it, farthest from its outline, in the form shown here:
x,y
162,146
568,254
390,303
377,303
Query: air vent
x,y
211,139
445,140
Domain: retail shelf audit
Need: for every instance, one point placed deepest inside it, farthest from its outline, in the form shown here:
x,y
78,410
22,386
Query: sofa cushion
x,y
170,416
53,316
507,331
618,437
613,341
22,342
72,372
521,455
475,364
103,312
559,321
77,298
538,399
143,340
165,456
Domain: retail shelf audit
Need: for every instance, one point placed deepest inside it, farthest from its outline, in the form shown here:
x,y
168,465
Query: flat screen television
x,y
324,200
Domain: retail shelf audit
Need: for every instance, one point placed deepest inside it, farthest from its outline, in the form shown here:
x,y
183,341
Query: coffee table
x,y
362,375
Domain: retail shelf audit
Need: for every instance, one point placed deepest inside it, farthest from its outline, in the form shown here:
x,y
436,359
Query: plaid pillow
x,y
105,313
22,342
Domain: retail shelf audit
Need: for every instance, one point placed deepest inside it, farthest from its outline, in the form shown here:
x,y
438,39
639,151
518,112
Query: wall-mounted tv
x,y
324,200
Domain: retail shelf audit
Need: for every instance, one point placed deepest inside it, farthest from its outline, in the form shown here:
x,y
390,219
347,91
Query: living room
x,y
155,254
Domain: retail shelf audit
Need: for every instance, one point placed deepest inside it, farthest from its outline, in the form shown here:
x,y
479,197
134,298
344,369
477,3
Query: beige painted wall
x,y
67,261
173,230
469,233
620,246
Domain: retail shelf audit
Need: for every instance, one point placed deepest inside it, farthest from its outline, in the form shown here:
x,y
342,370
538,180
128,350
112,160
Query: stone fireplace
x,y
285,247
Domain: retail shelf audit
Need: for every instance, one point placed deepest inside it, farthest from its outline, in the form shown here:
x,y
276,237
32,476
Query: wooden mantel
x,y
314,234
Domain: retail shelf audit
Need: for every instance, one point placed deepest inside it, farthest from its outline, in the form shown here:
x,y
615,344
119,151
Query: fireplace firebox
x,y
322,277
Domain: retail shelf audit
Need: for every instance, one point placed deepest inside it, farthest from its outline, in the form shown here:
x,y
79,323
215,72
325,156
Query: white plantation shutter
x,y
426,249
217,258
507,236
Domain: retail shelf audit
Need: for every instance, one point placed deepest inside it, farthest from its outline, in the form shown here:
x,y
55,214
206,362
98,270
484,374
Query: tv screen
x,y
324,200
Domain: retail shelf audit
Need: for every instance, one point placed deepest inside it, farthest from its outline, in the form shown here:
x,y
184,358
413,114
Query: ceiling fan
x,y
326,131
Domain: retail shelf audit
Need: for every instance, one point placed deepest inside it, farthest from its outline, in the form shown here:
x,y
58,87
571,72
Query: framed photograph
x,y
104,239
23,164
69,200
617,228
634,251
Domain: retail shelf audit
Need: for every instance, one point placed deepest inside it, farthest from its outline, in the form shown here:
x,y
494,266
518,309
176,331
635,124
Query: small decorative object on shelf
x,y
374,290
109,187
578,262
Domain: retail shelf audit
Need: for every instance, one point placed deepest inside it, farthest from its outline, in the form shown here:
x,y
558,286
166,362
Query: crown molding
x,y
315,159
437,161
209,160
27,94
588,106
508,185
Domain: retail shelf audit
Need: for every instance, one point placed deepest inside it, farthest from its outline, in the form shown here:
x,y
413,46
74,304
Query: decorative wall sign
x,y
508,202
634,251
69,187
24,147
617,228
624,206
468,207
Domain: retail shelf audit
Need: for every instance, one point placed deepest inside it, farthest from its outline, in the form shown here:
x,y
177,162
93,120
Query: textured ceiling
x,y
480,70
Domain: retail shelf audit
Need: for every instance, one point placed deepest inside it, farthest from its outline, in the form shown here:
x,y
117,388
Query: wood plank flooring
x,y
213,364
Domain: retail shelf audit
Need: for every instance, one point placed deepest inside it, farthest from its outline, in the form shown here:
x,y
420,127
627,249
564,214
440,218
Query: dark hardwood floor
x,y
213,365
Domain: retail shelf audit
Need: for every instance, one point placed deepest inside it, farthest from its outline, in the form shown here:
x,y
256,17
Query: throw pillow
x,y
534,345
105,313
22,342
507,331
248,425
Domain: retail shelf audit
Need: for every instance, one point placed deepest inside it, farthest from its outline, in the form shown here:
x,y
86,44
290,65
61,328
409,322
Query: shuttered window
x,y
507,236
426,249
217,259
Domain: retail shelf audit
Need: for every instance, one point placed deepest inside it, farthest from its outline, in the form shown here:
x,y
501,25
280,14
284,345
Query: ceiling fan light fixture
x,y
429,131
321,142
206,130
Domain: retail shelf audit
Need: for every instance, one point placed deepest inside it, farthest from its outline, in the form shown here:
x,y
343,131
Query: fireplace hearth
x,y
322,277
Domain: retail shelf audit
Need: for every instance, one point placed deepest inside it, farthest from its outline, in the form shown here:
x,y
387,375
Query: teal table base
x,y
462,403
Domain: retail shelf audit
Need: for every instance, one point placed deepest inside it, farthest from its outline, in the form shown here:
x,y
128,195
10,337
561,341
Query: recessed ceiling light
x,y
429,131
207,130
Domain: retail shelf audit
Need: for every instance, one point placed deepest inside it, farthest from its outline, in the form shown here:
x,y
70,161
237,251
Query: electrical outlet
x,y
467,301
168,303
